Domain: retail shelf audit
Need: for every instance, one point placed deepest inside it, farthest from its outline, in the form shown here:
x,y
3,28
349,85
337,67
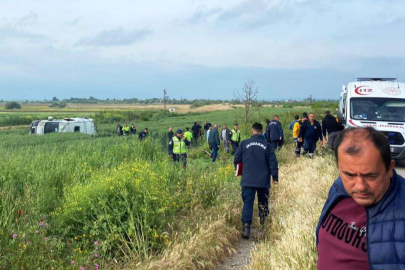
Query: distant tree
x,y
12,105
248,98
62,104
55,99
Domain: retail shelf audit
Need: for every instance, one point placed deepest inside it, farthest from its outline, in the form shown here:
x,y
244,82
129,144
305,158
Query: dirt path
x,y
242,257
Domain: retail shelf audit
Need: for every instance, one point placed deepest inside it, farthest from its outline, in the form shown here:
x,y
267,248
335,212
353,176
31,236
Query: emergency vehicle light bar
x,y
377,79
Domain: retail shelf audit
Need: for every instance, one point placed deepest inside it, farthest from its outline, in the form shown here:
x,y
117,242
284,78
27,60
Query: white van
x,y
377,103
82,125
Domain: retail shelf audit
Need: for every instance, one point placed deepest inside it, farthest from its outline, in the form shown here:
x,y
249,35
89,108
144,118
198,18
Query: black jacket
x,y
274,131
143,135
259,162
207,126
311,133
170,135
195,129
330,124
119,130
228,134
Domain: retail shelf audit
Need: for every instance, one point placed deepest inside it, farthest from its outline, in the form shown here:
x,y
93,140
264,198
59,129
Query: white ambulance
x,y
66,125
377,103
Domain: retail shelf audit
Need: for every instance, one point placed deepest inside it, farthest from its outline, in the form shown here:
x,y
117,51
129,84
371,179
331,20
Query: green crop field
x,y
70,200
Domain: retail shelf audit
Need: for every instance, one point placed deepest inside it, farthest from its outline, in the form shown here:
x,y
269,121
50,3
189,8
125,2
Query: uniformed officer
x,y
235,138
178,148
126,129
188,134
259,164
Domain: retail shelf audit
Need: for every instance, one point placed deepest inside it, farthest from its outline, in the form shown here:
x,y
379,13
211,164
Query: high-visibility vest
x,y
179,146
188,135
235,135
125,129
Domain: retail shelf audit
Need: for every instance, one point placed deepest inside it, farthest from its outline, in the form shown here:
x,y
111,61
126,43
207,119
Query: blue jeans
x,y
248,196
309,147
214,151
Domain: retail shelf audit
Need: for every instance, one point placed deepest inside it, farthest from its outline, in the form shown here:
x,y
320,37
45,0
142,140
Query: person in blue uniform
x,y
259,165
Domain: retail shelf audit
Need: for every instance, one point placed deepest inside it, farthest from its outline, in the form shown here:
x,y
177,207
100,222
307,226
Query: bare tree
x,y
248,98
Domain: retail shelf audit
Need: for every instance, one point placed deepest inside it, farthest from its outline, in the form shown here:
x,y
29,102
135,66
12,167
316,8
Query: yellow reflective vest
x,y
235,135
179,146
188,135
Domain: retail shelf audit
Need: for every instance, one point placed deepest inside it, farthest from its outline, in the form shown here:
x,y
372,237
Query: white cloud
x,y
115,37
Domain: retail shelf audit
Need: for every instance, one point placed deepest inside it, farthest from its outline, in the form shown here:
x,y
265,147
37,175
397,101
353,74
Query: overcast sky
x,y
196,48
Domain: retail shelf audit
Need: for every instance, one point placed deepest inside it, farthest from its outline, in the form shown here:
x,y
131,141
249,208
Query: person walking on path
x,y
235,138
266,124
300,141
362,222
178,148
119,130
275,133
294,127
133,129
311,132
259,165
226,137
331,125
214,142
188,134
296,119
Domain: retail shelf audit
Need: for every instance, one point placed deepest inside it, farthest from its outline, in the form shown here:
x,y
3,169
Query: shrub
x,y
12,105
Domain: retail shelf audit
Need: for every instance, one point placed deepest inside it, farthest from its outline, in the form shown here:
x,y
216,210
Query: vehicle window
x,y
51,127
378,109
77,129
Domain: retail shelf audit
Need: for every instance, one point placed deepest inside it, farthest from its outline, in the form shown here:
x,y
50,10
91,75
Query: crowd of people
x,y
361,225
181,141
131,130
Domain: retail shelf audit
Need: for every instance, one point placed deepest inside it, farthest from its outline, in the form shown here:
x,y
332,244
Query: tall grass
x,y
75,190
71,199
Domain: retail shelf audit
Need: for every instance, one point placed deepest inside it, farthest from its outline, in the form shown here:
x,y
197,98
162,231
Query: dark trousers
x,y
248,196
195,138
178,157
277,144
235,146
214,151
331,139
298,148
309,147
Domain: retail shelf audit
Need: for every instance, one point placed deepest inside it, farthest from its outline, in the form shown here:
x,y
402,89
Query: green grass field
x,y
71,200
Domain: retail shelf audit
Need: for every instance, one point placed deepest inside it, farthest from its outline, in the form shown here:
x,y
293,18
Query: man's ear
x,y
391,169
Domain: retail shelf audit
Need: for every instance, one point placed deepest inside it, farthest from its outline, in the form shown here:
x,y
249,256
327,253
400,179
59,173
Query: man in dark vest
x,y
362,225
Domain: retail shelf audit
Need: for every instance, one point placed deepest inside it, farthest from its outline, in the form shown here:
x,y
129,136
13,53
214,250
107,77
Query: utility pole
x,y
164,99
